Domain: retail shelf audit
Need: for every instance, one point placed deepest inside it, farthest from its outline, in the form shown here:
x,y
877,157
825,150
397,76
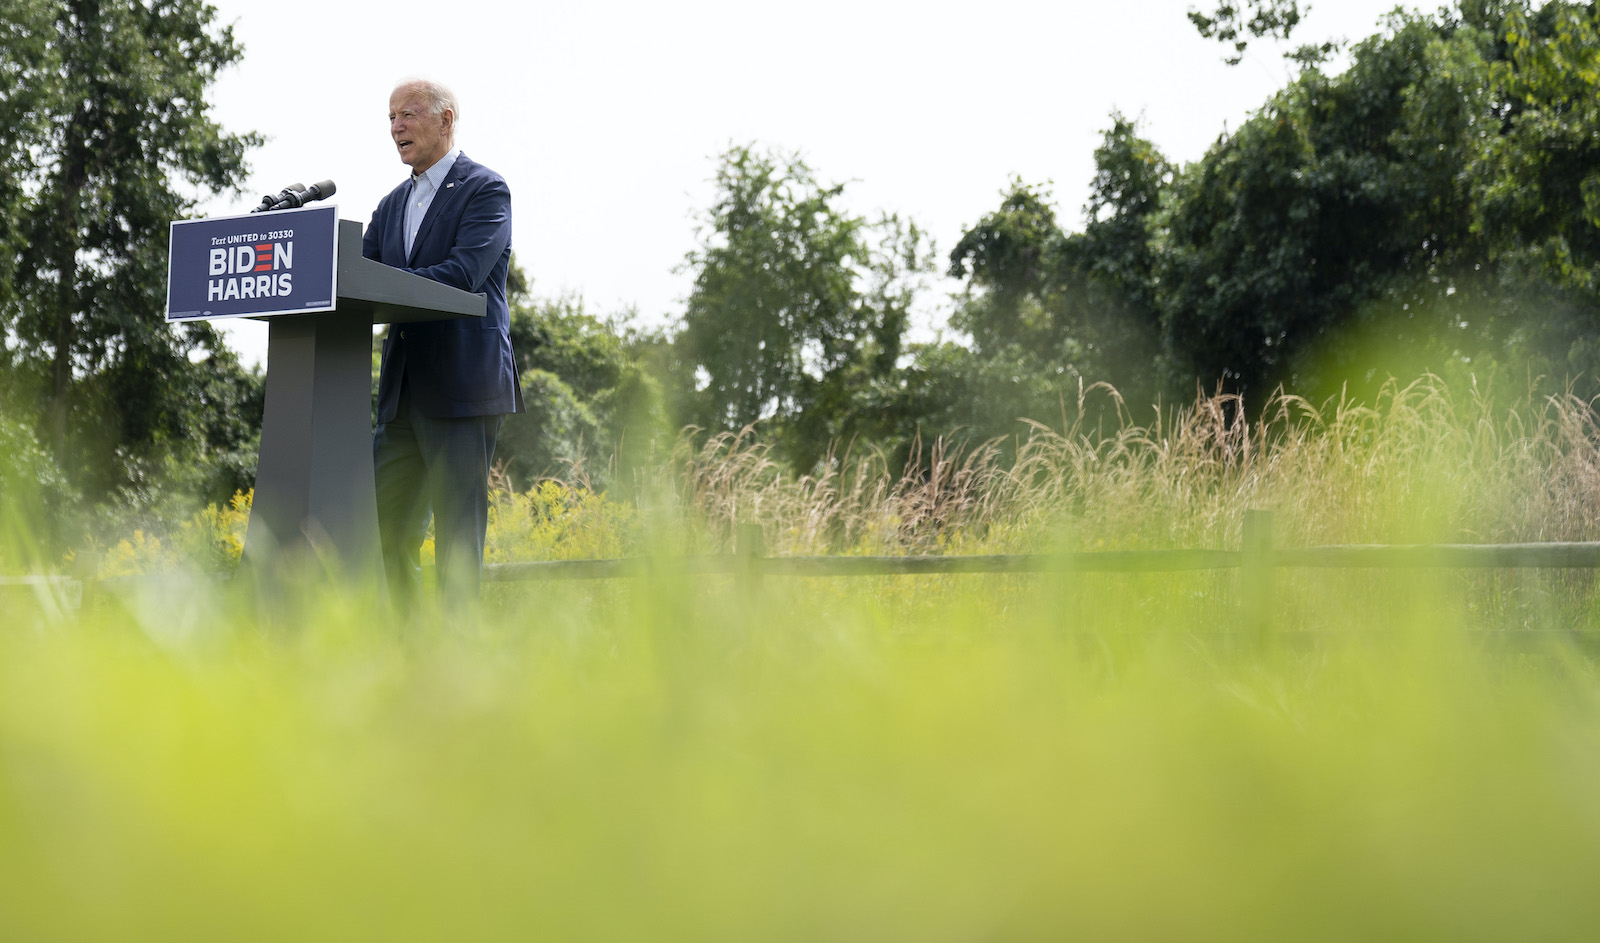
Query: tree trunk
x,y
74,172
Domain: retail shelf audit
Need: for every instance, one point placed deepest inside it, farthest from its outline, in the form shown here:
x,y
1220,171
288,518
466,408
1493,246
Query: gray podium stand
x,y
314,498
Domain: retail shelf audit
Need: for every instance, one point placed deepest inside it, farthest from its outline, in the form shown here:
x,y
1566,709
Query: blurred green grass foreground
x,y
1403,755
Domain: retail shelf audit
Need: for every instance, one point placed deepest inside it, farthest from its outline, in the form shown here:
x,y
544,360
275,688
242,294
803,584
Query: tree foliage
x,y
105,136
1340,203
797,305
1048,310
1009,259
1425,209
594,409
773,288
1435,206
1231,22
1536,185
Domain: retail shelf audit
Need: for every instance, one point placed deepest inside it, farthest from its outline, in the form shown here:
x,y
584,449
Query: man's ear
x,y
449,117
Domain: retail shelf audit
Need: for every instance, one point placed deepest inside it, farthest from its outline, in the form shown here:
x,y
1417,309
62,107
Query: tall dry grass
x,y
1422,463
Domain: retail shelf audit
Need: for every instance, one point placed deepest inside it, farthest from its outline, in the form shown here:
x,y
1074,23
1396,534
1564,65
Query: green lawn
x,y
973,758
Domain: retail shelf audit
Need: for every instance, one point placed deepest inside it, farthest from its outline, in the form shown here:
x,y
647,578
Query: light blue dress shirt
x,y
424,187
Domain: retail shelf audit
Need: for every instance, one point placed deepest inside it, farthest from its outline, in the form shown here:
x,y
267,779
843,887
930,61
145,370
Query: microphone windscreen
x,y
323,189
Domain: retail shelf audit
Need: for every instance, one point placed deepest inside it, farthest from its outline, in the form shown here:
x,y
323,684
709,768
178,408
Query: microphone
x,y
298,196
271,201
320,190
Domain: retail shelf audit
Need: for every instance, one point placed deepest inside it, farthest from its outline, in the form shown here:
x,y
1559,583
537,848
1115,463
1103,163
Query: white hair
x,y
437,95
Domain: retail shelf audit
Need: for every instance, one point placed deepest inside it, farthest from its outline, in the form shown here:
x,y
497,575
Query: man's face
x,y
421,138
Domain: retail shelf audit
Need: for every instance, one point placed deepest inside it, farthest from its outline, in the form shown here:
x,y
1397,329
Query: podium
x,y
315,498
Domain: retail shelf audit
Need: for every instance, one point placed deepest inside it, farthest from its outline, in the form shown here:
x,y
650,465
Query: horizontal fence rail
x,y
1571,555
1357,556
736,565
1257,555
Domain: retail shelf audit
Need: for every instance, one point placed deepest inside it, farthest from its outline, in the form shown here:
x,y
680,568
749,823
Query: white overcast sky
x,y
606,118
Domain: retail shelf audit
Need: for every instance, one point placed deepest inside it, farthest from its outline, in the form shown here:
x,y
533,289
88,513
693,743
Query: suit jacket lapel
x,y
395,239
441,199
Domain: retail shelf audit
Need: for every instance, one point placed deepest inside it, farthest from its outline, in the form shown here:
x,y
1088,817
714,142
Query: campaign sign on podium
x,y
258,265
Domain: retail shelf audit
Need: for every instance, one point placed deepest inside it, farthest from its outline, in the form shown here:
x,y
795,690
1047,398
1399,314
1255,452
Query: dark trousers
x,y
433,468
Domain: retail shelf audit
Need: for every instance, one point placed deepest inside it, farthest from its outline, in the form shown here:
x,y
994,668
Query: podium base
x,y
315,503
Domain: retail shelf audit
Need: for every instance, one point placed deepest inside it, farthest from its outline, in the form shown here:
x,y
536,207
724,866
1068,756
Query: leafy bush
x,y
34,497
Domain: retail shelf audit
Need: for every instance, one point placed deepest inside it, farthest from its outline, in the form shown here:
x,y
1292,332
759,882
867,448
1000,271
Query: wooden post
x,y
1256,577
86,570
749,546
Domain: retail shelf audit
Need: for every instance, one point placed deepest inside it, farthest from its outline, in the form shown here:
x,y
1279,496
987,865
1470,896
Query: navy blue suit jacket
x,y
463,366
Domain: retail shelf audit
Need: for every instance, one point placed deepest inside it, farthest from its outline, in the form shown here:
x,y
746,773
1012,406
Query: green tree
x,y
1009,260
1230,22
794,305
1025,350
1107,272
34,497
1046,309
105,136
592,407
1436,206
1332,238
1537,182
1433,207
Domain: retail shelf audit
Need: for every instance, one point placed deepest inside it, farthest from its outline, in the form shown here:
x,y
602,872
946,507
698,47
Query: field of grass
x,y
1405,755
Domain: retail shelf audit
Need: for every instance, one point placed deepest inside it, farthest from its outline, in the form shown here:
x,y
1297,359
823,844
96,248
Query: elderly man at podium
x,y
445,386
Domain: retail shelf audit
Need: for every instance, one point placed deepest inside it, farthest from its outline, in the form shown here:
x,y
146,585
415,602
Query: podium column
x,y
314,481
